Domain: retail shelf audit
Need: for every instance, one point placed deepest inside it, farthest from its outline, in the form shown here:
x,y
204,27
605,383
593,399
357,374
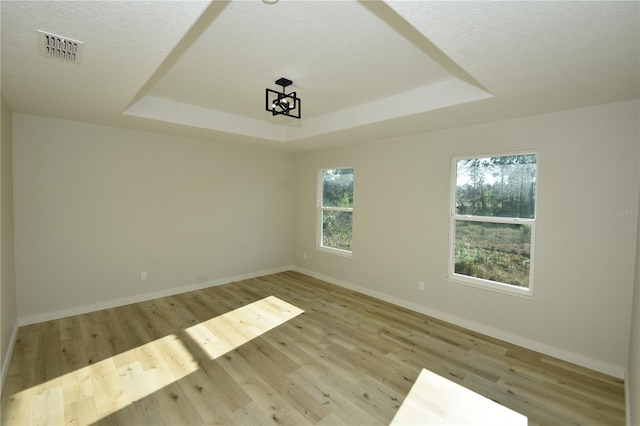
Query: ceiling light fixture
x,y
281,103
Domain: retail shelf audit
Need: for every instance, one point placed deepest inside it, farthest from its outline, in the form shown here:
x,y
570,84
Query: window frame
x,y
320,209
485,284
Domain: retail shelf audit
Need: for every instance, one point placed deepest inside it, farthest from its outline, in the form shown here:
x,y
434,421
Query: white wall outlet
x,y
421,285
143,275
305,256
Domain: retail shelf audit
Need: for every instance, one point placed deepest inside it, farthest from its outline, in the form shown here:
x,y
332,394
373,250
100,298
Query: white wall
x,y
584,258
95,206
8,313
633,369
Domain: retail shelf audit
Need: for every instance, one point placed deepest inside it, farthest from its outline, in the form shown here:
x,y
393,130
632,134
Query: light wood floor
x,y
280,349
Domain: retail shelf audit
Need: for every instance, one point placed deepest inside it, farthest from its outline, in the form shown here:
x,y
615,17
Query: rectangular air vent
x,y
60,48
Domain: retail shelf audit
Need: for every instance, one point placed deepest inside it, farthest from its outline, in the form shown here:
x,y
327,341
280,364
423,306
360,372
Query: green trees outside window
x,y
336,209
493,218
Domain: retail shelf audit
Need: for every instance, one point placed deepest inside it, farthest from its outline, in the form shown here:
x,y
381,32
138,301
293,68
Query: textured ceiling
x,y
331,60
363,69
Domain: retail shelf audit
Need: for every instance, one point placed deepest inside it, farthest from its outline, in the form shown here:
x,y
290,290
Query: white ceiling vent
x,y
60,48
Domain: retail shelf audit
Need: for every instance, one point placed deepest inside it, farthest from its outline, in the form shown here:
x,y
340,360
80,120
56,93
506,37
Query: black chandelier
x,y
281,103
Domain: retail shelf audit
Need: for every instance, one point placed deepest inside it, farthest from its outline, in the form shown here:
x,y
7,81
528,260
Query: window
x,y
493,221
335,210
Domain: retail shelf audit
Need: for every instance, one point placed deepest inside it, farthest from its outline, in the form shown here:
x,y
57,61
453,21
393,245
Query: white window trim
x,y
320,209
481,283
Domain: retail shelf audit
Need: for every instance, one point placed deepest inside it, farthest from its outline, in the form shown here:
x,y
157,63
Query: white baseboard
x,y
79,310
7,356
627,397
552,351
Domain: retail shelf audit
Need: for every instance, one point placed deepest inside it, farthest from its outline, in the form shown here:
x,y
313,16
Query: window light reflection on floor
x,y
222,334
90,393
434,400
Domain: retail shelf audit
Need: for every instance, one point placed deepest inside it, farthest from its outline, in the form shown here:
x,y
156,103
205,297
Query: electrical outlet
x,y
421,285
305,255
143,275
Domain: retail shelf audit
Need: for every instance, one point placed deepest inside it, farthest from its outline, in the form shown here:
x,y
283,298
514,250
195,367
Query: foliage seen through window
x,y
494,217
336,209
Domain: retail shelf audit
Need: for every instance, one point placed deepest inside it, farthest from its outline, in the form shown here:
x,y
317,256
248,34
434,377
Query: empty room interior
x,y
320,212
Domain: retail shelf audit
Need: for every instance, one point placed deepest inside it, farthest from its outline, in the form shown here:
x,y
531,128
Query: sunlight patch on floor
x,y
434,400
224,333
90,393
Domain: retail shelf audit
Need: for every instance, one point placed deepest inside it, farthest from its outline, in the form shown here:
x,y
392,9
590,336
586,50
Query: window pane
x,y
493,251
336,229
337,188
497,186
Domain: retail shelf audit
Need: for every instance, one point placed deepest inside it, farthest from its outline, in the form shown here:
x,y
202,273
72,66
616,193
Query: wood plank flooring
x,y
282,349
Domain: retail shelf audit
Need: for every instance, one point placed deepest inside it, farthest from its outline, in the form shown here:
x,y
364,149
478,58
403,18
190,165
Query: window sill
x,y
335,252
525,293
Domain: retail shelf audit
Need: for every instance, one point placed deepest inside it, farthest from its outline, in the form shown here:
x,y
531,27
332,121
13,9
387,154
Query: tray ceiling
x,y
363,69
